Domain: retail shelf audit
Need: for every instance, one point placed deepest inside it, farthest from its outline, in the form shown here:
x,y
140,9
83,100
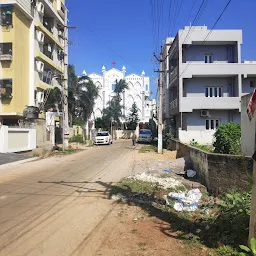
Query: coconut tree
x,y
86,94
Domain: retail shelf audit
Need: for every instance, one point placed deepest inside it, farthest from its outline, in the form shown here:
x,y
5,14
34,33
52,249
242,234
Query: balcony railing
x,y
5,51
173,75
174,104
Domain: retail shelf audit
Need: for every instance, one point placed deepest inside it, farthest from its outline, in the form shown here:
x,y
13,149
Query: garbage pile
x,y
184,201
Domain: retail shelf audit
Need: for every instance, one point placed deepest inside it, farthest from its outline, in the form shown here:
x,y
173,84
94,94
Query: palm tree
x,y
86,94
121,85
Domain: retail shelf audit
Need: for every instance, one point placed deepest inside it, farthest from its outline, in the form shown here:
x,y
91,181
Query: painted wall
x,y
219,173
19,68
197,52
195,87
17,139
246,85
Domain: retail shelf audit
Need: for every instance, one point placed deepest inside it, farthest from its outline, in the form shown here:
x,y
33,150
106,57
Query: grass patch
x,y
220,224
207,148
67,151
35,155
148,148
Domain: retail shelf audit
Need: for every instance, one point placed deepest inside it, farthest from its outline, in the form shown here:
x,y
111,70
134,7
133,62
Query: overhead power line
x,y
207,36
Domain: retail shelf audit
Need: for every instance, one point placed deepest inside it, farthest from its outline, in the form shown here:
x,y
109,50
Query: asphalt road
x,y
6,158
52,206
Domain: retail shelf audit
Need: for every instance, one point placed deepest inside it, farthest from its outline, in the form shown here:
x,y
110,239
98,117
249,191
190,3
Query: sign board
x,y
252,106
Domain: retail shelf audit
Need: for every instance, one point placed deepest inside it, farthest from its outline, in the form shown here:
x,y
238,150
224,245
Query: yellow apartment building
x,y
33,54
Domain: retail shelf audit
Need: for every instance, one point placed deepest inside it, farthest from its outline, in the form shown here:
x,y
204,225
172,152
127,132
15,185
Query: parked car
x,y
103,138
145,135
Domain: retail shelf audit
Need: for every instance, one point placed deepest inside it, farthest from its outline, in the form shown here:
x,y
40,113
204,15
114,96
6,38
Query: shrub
x,y
77,138
227,139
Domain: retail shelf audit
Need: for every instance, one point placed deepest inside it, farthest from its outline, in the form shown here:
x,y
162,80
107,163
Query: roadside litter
x,y
168,171
191,173
164,182
184,202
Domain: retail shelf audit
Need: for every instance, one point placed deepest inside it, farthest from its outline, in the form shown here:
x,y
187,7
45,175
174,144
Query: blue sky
x,y
125,31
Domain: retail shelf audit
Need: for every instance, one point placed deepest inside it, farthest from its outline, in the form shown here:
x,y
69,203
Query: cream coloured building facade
x,y
33,50
138,92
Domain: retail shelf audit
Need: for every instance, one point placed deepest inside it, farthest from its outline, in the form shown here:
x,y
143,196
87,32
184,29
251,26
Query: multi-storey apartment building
x,y
33,54
204,80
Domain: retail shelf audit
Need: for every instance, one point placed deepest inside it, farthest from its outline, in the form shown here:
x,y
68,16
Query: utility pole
x,y
160,109
65,122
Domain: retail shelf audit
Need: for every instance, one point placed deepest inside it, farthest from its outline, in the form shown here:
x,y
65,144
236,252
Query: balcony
x,y
6,52
174,107
188,104
193,69
61,8
6,89
49,35
173,75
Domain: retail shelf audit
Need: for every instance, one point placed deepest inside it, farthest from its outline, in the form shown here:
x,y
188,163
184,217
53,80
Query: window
x,y
211,124
6,88
5,48
208,58
252,83
6,16
113,87
213,92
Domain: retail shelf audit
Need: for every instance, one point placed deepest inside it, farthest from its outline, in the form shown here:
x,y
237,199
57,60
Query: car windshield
x,y
145,132
102,134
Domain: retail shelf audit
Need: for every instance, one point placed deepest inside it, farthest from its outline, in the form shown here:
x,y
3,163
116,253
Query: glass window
x,y
6,16
217,124
220,92
207,124
208,58
212,124
252,84
211,91
113,87
206,92
215,92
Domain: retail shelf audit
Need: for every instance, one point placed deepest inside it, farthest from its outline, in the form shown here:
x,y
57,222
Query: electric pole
x,y
65,122
160,109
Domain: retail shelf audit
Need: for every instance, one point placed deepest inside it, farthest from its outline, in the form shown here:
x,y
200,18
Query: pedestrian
x,y
133,139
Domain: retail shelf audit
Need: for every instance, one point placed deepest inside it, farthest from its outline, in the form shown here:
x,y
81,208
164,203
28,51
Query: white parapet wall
x,y
16,139
202,137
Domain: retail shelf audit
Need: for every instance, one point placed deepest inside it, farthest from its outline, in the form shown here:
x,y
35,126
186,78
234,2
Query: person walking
x,y
133,139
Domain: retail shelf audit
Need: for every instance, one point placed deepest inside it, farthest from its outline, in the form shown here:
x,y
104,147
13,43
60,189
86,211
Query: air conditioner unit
x,y
40,8
49,48
205,113
40,97
40,36
39,66
60,33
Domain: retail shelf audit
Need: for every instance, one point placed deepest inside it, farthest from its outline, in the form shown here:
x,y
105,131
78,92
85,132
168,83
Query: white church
x,y
138,91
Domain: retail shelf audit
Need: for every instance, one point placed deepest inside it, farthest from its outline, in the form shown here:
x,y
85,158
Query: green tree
x,y
120,87
72,89
85,95
228,139
133,117
54,100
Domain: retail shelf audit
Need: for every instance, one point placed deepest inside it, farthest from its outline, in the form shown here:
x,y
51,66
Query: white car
x,y
103,138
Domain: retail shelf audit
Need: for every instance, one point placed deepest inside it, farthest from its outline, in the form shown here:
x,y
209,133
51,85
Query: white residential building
x,y
204,80
138,92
